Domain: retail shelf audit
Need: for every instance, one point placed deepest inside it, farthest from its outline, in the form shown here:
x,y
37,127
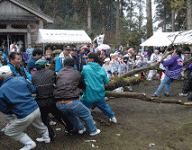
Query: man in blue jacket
x,y
62,56
95,77
36,54
16,98
16,67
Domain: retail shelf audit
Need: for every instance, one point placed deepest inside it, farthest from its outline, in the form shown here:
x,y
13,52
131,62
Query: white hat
x,y
116,53
107,59
5,71
111,54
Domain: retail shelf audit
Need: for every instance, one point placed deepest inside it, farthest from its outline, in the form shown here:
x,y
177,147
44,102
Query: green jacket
x,y
95,77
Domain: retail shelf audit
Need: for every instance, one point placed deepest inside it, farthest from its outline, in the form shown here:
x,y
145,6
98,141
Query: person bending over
x,y
94,95
67,92
16,98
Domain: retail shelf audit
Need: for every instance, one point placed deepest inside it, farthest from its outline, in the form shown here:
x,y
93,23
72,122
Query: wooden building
x,y
20,21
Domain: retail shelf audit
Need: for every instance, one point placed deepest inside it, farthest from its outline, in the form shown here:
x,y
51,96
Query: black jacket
x,y
44,80
68,82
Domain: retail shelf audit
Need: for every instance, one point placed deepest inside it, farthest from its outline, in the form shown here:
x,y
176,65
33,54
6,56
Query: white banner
x,y
100,39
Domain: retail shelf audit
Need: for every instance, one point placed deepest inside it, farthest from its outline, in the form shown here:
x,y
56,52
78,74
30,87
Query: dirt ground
x,y
141,126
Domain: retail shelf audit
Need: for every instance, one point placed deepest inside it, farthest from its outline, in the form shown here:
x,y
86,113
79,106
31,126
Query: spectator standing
x,y
48,54
148,54
188,84
3,59
14,47
107,67
115,65
153,61
138,62
4,49
29,50
62,56
81,58
19,43
74,56
37,54
123,67
131,61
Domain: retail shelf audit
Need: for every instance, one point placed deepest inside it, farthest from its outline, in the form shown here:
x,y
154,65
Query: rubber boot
x,y
45,137
28,142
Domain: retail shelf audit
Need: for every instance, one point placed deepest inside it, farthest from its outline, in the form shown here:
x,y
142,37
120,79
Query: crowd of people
x,y
58,91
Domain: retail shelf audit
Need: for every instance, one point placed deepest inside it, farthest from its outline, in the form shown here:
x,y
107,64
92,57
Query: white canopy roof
x,y
158,39
62,36
166,38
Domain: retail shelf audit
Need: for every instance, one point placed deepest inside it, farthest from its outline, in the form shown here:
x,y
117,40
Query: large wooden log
x,y
143,97
136,71
120,82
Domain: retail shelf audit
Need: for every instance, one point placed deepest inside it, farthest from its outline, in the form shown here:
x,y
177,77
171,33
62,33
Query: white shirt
x,y
12,49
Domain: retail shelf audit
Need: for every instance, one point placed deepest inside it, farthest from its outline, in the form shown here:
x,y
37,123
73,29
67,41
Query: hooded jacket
x,y
95,77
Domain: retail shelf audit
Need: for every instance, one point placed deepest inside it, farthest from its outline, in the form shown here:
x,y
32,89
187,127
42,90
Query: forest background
x,y
122,21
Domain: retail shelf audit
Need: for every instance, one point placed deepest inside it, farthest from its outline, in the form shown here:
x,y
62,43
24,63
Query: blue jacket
x,y
5,57
14,71
15,97
95,77
31,63
58,65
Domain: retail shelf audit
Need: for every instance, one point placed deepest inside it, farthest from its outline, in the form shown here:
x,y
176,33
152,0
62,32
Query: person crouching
x,y
67,92
16,98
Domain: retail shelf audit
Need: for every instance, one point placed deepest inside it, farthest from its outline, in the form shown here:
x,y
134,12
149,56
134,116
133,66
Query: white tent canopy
x,y
158,39
62,37
166,38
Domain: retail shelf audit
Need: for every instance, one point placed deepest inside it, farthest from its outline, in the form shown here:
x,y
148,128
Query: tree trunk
x,y
173,19
189,15
140,16
103,17
142,96
117,22
149,19
89,16
164,20
120,82
136,71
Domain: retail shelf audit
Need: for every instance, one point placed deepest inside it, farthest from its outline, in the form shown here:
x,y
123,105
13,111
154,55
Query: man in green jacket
x,y
95,77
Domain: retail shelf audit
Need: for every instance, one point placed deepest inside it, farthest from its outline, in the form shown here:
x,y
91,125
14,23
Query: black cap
x,y
67,47
74,49
69,62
